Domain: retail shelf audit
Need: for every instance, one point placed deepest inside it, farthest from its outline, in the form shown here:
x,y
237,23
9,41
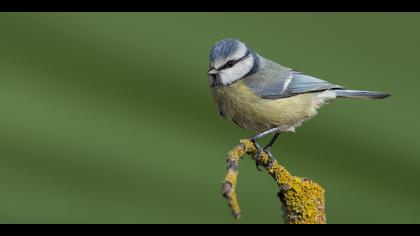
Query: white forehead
x,y
237,54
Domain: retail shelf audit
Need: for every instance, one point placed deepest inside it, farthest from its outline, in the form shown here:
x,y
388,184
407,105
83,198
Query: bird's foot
x,y
270,162
270,155
259,152
266,148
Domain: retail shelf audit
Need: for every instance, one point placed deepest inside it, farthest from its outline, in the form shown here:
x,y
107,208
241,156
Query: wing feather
x,y
274,81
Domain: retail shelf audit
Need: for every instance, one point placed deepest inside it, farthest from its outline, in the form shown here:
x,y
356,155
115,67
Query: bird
x,y
263,96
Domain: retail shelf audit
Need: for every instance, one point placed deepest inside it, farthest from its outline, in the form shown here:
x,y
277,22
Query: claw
x,y
258,147
258,167
259,152
270,155
266,148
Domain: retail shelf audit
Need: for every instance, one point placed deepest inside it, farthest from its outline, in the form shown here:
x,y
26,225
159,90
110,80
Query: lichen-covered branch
x,y
302,199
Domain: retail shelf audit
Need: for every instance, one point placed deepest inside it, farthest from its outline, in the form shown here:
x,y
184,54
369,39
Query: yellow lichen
x,y
303,199
229,183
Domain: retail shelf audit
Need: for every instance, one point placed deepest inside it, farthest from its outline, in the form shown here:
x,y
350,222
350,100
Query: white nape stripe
x,y
239,53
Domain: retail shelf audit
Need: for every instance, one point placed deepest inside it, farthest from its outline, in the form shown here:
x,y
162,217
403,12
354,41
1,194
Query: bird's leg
x,y
260,135
267,149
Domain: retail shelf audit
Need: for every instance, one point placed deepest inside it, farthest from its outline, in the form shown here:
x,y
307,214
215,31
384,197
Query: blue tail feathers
x,y
343,93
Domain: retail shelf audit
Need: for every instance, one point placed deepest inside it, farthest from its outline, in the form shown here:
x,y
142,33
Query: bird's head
x,y
230,60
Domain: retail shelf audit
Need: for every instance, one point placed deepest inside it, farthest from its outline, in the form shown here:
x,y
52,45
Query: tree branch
x,y
302,199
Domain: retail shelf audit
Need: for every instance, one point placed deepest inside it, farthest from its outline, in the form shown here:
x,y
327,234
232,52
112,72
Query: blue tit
x,y
261,95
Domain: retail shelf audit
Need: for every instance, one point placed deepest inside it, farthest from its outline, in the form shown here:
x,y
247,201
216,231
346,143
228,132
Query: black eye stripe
x,y
231,63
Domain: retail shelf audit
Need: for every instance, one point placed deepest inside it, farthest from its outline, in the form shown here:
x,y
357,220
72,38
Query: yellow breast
x,y
240,104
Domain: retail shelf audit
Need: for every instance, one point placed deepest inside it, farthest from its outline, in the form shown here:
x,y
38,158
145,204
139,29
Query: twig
x,y
302,199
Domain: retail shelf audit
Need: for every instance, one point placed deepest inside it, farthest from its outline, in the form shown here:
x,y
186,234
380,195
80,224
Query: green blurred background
x,y
108,117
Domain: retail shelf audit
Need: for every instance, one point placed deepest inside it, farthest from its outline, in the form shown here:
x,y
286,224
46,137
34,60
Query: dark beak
x,y
214,77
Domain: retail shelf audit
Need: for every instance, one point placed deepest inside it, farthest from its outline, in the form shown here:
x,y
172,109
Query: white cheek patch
x,y
239,70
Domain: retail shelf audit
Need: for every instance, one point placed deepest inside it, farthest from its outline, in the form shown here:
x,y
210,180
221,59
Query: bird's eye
x,y
230,63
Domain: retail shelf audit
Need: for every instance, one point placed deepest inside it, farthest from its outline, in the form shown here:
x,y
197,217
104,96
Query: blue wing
x,y
276,81
301,83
